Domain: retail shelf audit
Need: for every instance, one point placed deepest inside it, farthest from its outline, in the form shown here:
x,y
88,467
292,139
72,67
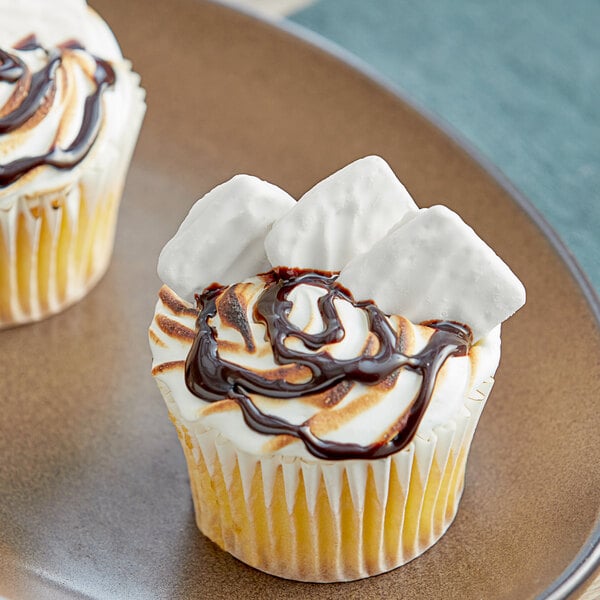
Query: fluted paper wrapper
x,y
56,244
313,520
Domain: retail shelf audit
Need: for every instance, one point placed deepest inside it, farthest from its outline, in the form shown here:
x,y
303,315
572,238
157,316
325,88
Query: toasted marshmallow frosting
x,y
55,22
309,409
66,94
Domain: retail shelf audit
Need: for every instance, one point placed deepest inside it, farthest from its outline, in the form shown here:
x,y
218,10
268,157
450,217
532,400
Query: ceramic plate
x,y
94,498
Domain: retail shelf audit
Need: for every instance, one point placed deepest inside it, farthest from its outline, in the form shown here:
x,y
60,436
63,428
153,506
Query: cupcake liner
x,y
324,521
55,245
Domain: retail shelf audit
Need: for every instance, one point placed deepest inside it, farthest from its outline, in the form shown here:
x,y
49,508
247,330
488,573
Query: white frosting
x,y
364,414
221,239
434,266
340,218
53,23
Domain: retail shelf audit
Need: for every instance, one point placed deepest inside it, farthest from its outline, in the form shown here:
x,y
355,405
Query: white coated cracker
x,y
434,266
340,217
221,239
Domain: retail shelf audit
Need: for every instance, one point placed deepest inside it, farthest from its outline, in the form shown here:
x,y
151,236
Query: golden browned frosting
x,y
340,417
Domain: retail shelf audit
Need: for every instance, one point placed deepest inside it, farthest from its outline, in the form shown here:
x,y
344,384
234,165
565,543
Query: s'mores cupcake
x,y
70,113
326,368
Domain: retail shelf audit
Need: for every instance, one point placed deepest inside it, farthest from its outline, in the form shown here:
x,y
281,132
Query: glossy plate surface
x,y
94,498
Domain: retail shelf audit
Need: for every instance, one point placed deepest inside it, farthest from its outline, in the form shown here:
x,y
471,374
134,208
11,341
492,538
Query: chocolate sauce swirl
x,y
211,378
38,88
11,67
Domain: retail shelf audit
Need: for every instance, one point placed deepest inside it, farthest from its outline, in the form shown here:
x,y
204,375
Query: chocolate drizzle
x,y
40,86
212,379
11,67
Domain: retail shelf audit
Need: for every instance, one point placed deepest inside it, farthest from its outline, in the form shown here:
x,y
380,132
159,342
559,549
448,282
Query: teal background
x,y
519,80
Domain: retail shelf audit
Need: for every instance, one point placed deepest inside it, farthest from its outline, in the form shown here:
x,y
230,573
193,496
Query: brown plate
x,y
94,497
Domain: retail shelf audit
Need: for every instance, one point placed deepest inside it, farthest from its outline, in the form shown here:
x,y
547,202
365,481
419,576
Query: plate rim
x,y
587,561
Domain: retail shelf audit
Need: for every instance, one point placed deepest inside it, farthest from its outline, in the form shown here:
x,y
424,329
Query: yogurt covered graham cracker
x,y
325,411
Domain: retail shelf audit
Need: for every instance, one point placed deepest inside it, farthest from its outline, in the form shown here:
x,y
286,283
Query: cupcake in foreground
x,y
326,367
70,113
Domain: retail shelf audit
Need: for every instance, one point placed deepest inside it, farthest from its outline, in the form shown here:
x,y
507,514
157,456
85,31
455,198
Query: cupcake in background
x,y
326,368
70,113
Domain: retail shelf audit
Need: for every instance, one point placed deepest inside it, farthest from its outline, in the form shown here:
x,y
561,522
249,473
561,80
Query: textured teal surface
x,y
519,80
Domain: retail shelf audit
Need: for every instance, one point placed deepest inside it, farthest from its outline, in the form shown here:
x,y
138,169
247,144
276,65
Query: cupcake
x,y
70,113
325,369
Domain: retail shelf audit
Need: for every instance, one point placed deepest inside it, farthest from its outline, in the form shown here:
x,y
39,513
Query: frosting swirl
x,y
334,379
312,369
51,102
67,97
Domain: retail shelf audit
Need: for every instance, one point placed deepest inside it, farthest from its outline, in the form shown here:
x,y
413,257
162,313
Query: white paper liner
x,y
327,521
57,244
